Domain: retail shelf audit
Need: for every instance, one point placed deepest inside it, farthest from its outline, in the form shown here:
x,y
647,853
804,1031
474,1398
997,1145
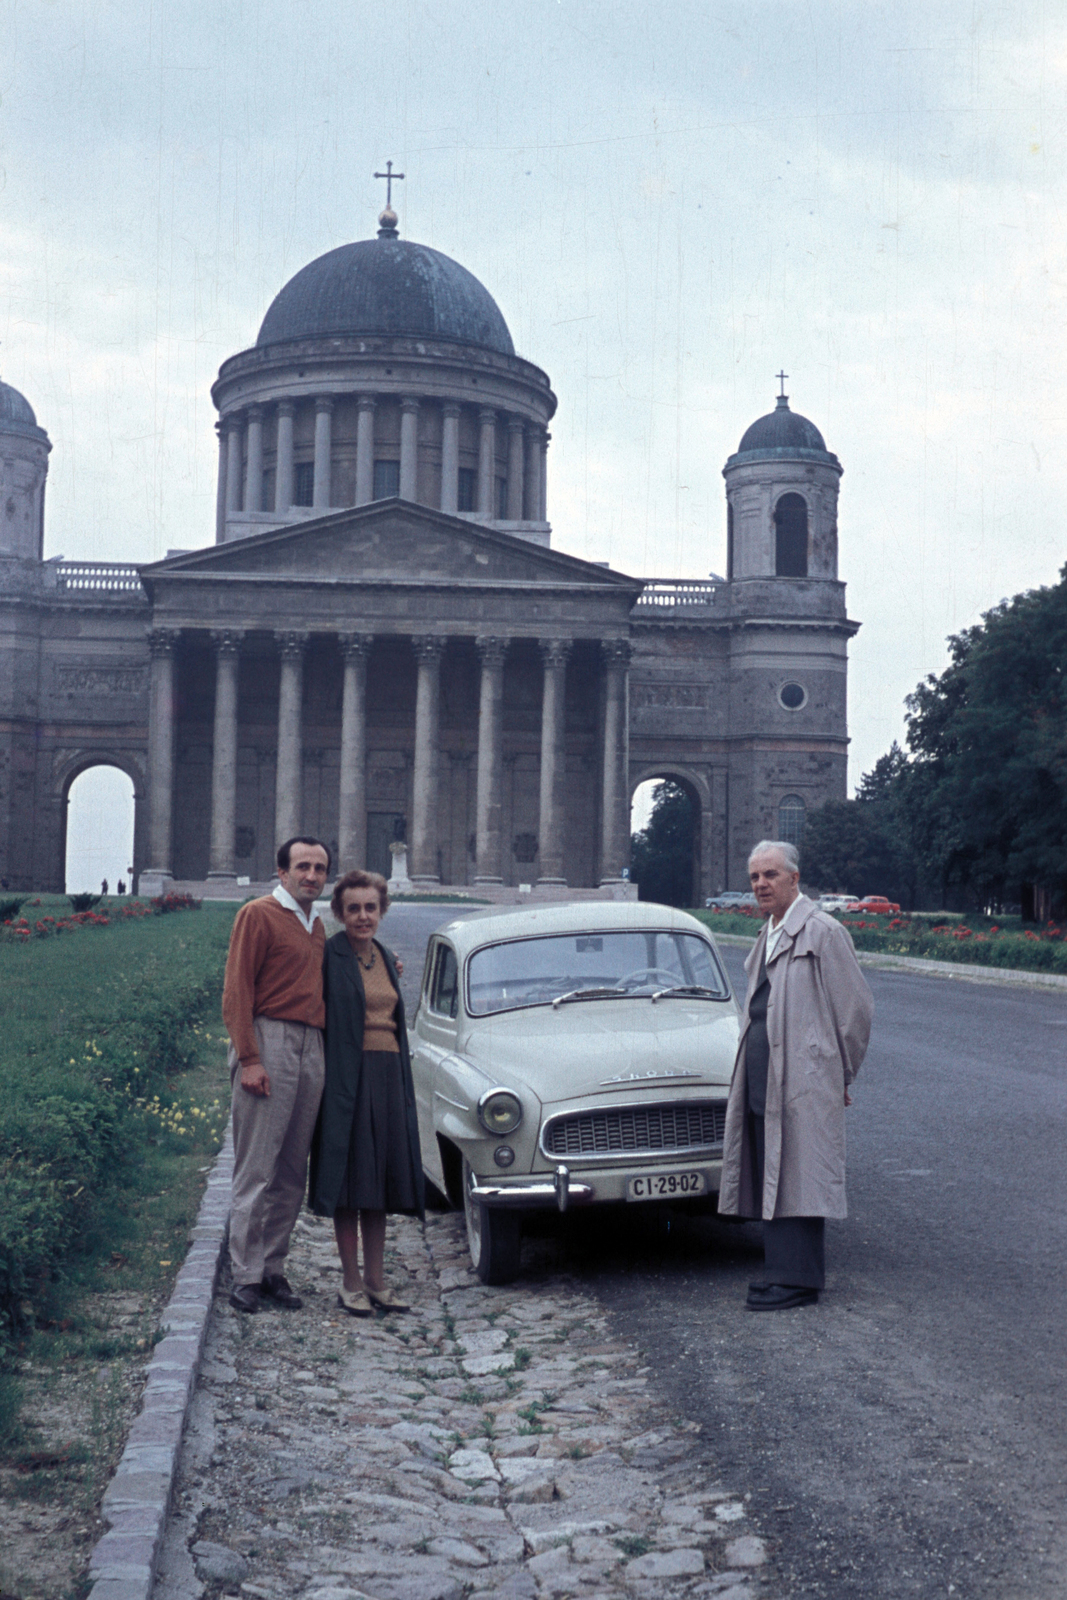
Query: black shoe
x,y
245,1297
277,1288
779,1296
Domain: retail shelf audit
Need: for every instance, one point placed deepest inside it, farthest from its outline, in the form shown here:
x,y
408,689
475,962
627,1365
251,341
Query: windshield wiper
x,y
586,994
687,988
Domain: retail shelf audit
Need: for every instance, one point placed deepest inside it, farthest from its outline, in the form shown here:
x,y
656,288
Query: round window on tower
x,y
792,696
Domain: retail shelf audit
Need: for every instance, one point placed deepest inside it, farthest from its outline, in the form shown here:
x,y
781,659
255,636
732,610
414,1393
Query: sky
x,y
669,202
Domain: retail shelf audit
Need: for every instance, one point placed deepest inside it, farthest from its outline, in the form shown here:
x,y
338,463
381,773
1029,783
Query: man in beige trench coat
x,y
804,1033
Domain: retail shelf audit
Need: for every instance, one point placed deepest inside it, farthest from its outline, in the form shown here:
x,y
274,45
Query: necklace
x,y
367,965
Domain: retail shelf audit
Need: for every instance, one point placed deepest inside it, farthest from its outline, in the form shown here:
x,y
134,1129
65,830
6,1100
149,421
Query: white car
x,y
570,1055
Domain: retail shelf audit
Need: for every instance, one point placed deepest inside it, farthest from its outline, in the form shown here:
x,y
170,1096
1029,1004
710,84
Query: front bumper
x,y
563,1190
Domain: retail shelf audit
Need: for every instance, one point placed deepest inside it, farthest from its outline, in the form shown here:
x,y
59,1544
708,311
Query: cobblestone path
x,y
492,1442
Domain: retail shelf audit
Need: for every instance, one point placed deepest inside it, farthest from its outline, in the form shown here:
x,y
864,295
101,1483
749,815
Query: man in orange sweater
x,y
273,1010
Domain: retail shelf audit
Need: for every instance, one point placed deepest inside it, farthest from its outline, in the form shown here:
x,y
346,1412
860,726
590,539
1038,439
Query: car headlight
x,y
499,1111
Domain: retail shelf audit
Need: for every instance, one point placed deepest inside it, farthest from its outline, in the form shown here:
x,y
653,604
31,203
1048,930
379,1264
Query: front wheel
x,y
493,1237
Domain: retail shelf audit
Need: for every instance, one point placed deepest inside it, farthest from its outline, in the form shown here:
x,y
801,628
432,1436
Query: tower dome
x,y
386,286
23,469
17,415
781,497
782,433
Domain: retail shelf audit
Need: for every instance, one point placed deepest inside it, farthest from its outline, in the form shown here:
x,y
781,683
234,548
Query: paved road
x,y
907,1437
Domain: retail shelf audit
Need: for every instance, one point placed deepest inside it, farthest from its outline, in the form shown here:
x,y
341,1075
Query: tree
x,y
662,853
988,776
867,845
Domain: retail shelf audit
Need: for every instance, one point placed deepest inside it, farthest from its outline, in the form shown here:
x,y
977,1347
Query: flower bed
x,y
19,930
979,942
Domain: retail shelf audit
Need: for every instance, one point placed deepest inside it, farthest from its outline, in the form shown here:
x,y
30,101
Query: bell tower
x,y
781,499
24,449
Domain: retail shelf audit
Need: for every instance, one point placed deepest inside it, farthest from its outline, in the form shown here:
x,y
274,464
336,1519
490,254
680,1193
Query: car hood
x,y
608,1047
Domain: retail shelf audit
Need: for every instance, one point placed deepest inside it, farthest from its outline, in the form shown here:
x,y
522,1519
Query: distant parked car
x,y
874,904
730,900
835,902
570,1055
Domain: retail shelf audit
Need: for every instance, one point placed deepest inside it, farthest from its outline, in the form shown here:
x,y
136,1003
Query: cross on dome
x,y
388,218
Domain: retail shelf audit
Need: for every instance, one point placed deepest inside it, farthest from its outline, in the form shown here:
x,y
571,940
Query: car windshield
x,y
575,966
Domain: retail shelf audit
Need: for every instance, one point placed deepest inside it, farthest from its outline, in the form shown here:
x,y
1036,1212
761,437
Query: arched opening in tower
x,y
791,537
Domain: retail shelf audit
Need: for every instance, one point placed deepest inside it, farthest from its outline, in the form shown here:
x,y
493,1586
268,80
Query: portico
x,y
329,701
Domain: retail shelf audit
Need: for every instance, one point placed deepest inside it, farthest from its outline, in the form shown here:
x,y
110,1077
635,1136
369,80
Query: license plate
x,y
665,1186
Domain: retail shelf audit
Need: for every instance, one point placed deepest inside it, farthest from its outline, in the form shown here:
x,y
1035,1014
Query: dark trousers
x,y
792,1246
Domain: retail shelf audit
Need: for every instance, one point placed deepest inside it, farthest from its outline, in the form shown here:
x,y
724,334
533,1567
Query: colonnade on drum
x,y
352,809
242,442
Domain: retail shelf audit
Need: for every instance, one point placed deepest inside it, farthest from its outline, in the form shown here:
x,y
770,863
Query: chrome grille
x,y
636,1130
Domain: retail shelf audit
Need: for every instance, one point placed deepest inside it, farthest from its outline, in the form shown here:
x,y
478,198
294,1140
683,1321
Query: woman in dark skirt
x,y
365,1159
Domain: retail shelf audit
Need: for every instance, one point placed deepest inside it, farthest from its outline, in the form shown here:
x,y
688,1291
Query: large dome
x,y
783,432
386,286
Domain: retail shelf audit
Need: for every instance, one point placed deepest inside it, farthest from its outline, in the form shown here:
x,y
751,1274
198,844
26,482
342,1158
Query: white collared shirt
x,y
284,898
775,931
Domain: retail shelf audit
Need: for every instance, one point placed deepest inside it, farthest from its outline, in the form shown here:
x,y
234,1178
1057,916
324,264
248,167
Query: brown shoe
x,y
277,1288
245,1297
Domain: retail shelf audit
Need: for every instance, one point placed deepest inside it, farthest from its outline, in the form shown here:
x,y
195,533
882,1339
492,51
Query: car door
x,y
435,1038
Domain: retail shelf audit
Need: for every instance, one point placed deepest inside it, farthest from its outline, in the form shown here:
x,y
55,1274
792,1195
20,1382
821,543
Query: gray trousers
x,y
271,1140
793,1251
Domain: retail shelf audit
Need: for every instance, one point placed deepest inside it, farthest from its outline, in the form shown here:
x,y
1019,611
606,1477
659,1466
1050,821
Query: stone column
x,y
409,448
222,860
254,460
488,840
516,432
427,715
233,464
352,808
161,728
531,484
320,495
554,654
542,478
283,458
615,813
289,779
365,450
450,458
487,462
220,496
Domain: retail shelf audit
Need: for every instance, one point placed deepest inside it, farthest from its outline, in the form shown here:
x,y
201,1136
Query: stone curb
x,y
1012,977
137,1501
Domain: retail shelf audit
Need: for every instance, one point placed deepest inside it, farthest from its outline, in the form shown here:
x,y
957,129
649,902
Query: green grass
x,y
99,1031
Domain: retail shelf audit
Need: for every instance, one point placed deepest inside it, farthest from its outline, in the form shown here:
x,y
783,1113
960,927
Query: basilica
x,y
383,643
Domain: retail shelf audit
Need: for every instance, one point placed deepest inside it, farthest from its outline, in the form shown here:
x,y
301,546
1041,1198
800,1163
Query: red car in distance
x,y
873,904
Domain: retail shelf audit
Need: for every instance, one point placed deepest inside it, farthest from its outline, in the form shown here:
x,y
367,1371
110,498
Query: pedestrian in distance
x,y
273,1010
365,1159
804,1033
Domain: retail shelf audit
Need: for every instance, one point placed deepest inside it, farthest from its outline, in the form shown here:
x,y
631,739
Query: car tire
x,y
494,1238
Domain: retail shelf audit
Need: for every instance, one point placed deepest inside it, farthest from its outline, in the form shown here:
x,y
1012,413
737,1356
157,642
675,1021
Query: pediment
x,y
390,541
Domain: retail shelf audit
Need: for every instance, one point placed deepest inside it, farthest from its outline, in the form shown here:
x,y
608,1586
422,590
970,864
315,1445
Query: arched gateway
x,y
382,641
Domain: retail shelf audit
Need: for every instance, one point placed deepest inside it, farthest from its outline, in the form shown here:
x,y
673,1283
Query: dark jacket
x,y
345,1001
